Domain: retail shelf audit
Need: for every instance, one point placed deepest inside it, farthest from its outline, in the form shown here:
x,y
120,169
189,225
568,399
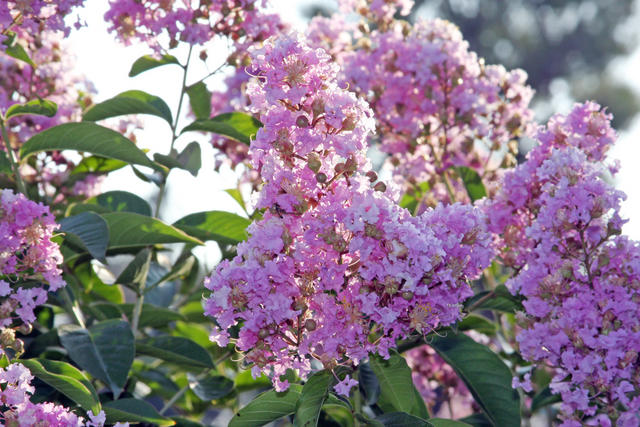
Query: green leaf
x,y
130,230
472,182
5,164
200,100
477,420
478,323
314,393
121,201
485,374
239,126
267,407
147,62
129,102
210,387
134,410
97,164
223,227
369,383
15,49
442,422
152,316
86,137
237,196
106,350
402,419
135,273
544,398
178,350
184,422
39,107
499,299
397,392
191,158
91,230
67,380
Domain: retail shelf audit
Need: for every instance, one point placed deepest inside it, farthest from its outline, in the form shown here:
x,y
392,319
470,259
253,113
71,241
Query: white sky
x,y
107,64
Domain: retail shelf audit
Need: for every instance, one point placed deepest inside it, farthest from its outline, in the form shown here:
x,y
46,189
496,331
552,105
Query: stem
x,y
174,399
174,127
137,309
12,159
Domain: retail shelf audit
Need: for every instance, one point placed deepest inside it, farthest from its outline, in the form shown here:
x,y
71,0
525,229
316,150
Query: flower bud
x,y
407,295
314,163
373,177
302,122
25,328
310,325
263,333
321,178
380,186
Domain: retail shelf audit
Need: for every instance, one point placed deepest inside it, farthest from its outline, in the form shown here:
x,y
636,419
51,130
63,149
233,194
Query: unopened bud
x,y
317,107
25,328
203,55
321,178
380,186
314,163
263,333
310,325
348,124
407,295
302,122
300,305
18,346
373,177
7,337
340,167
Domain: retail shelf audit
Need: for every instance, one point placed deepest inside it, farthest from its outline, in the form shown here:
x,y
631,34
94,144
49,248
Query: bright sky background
x,y
107,64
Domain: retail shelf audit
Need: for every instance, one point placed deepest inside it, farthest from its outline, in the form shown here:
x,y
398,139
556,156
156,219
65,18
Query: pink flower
x,y
344,387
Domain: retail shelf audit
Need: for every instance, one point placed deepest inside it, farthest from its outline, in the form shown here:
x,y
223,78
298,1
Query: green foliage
x,y
267,407
121,201
177,350
148,62
472,182
222,227
314,393
134,230
39,107
239,126
15,49
129,102
90,230
134,410
200,100
190,159
210,387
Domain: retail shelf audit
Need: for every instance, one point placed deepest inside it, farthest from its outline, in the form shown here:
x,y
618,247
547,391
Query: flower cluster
x,y
335,269
379,11
27,256
438,106
18,410
580,278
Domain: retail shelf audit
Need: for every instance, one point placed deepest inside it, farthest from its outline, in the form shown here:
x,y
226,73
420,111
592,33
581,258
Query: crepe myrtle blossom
x,y
580,278
334,270
18,410
379,11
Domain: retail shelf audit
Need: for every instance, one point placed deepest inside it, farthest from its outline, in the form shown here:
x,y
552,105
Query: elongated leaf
x,y
543,398
442,422
106,350
472,182
132,230
15,49
147,62
478,419
402,419
239,126
153,316
485,374
86,137
122,201
129,102
223,227
135,273
267,407
314,393
200,100
210,387
191,158
39,107
369,383
499,299
67,380
178,350
237,196
97,164
397,392
5,165
134,410
478,323
91,230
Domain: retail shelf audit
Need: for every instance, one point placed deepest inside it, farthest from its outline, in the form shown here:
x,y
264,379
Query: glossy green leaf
x,y
472,182
91,231
442,422
402,419
134,410
39,107
369,383
498,299
183,422
152,316
135,273
190,159
478,323
314,393
210,387
5,164
178,350
485,374
67,380
97,164
121,201
200,100
477,420
147,62
239,126
130,229
85,137
106,350
15,49
397,392
237,196
222,227
129,102
267,407
544,398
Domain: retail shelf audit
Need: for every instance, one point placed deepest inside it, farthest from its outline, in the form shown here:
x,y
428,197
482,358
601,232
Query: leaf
x,y
472,182
15,49
402,419
178,350
129,102
499,299
134,410
223,227
130,229
135,273
267,407
39,107
369,383
441,422
106,350
85,137
239,126
237,196
485,374
191,158
477,420
211,387
5,164
152,316
314,393
397,392
121,201
147,62
544,398
91,230
184,422
67,380
478,323
200,100
97,164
